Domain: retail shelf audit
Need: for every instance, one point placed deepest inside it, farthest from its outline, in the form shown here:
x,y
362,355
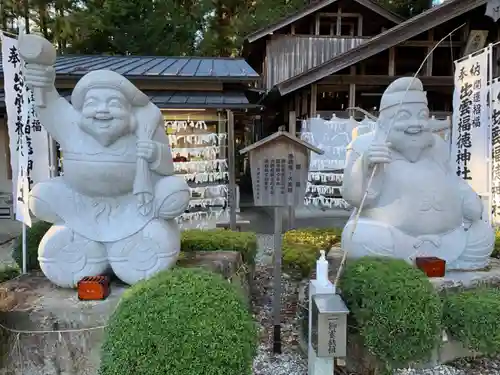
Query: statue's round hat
x,y
403,90
109,80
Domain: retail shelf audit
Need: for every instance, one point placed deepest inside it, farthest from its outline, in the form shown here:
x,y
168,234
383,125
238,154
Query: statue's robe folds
x,y
94,197
414,209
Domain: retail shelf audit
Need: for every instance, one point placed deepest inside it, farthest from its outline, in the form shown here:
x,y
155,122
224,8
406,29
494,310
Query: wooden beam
x,y
378,80
392,61
314,100
430,60
427,43
335,15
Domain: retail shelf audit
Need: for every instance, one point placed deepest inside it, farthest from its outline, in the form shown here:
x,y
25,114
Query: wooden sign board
x,y
279,165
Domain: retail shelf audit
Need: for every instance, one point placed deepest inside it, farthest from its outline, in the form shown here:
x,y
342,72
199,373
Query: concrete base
x,y
32,303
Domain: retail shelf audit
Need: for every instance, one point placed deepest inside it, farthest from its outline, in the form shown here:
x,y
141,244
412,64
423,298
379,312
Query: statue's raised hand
x,y
39,76
379,153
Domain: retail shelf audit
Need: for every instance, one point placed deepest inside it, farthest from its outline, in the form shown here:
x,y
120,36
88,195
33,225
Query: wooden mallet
x,y
35,49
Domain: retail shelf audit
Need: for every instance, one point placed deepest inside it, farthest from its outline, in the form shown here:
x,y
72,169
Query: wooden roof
x,y
314,7
280,134
416,25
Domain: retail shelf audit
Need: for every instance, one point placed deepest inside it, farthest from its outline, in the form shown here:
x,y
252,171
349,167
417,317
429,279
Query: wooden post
x,y
232,170
430,60
360,25
392,61
292,128
277,280
314,99
339,22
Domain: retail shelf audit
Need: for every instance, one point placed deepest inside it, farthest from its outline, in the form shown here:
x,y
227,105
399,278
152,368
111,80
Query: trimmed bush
x,y
183,322
496,249
301,247
8,272
471,317
395,307
33,237
221,240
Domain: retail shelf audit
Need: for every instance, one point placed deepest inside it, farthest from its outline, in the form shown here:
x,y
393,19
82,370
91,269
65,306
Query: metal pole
x,y
232,170
277,281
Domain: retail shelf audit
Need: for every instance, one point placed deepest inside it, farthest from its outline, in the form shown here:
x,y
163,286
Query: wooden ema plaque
x,y
93,288
431,266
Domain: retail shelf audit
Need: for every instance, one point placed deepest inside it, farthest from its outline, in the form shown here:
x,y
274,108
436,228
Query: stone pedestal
x,y
35,304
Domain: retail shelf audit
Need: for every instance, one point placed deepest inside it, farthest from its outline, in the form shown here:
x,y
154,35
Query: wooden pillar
x,y
292,128
360,25
314,100
392,61
339,21
316,25
304,103
429,63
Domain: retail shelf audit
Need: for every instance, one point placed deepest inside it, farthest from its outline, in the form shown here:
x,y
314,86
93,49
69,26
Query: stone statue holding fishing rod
x,y
415,204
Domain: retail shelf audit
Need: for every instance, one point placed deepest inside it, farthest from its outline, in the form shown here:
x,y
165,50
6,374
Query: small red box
x,y
431,266
93,288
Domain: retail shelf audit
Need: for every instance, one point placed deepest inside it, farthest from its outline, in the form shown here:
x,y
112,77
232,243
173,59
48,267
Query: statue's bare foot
x,y
146,253
66,257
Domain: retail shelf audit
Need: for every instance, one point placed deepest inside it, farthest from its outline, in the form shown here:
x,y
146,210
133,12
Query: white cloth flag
x,y
470,146
29,147
495,154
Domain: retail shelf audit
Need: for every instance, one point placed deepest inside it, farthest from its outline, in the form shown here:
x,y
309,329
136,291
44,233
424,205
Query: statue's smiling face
x,y
106,115
410,133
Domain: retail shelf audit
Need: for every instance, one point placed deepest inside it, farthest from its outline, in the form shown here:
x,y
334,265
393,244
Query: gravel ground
x,y
292,361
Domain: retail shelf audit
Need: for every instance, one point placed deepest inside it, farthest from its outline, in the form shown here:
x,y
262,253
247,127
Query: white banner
x,y
29,147
470,146
495,151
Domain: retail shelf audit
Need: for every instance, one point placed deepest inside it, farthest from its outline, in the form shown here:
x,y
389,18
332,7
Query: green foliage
x,y
496,249
301,247
405,8
472,318
8,272
221,240
33,237
182,322
397,310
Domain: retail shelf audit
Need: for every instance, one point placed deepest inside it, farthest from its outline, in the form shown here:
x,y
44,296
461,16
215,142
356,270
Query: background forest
x,y
157,27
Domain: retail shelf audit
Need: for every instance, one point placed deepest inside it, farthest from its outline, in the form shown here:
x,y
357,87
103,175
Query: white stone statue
x,y
117,202
416,204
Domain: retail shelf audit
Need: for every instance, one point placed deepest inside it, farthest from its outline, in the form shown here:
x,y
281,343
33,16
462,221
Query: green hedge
x,y
301,247
221,240
471,317
182,322
192,240
8,272
33,237
496,249
395,308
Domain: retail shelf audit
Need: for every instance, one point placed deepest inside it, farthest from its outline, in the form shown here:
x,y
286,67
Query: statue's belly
x,y
95,179
418,198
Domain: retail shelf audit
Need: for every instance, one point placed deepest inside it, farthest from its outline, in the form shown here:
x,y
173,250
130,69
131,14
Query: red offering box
x,y
431,266
93,288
